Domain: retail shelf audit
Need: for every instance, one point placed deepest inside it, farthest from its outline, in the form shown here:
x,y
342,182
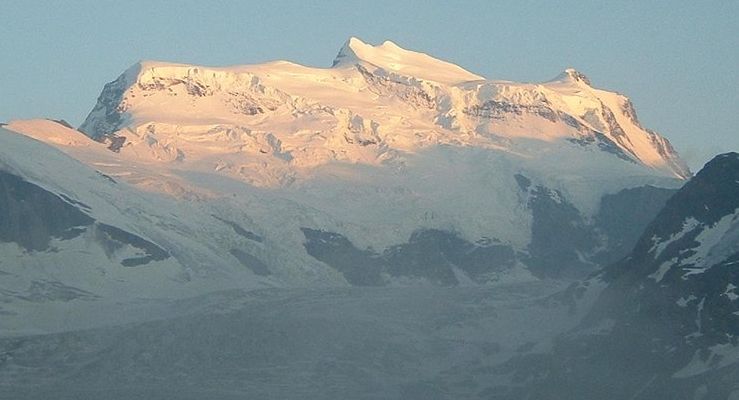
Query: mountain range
x,y
197,196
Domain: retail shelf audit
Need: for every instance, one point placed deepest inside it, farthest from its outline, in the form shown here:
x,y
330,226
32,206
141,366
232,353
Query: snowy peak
x,y
376,105
348,52
392,58
572,75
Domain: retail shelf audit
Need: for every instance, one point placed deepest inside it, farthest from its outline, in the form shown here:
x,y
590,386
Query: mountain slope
x,y
667,322
76,242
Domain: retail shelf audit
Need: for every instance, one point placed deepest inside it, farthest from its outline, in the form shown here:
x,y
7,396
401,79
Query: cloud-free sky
x,y
677,60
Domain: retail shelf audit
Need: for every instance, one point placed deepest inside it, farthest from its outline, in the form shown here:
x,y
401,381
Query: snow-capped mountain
x,y
390,167
213,228
384,153
375,106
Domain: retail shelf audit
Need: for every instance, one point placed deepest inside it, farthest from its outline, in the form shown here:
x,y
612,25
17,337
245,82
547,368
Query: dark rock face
x,y
251,262
707,198
559,236
359,267
240,230
110,103
523,182
623,216
115,142
429,254
434,253
712,194
31,216
578,76
112,239
667,324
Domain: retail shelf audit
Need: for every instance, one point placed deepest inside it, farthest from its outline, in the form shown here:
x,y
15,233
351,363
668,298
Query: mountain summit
x,y
572,75
391,57
374,106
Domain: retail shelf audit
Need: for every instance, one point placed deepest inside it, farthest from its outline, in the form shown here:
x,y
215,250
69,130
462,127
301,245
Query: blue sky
x,y
677,60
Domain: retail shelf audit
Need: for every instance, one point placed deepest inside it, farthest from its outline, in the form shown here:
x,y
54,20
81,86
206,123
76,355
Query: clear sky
x,y
677,60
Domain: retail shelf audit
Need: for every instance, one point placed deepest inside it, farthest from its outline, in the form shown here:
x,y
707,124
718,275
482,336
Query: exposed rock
x,y
31,216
